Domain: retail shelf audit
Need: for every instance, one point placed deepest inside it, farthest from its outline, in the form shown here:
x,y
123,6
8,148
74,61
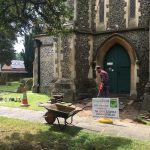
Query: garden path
x,y
84,119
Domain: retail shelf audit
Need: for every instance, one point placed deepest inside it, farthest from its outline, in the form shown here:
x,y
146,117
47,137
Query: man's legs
x,y
106,91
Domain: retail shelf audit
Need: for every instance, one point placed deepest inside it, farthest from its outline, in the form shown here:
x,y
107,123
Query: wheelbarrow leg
x,y
58,121
70,121
63,126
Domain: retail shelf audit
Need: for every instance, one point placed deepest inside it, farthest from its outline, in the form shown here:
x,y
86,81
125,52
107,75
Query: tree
x,y
28,55
23,15
7,51
18,56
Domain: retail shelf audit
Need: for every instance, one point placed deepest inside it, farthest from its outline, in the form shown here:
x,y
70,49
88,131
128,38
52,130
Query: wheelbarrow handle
x,y
76,111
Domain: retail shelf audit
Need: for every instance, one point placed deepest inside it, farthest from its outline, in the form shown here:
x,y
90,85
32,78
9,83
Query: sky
x,y
19,45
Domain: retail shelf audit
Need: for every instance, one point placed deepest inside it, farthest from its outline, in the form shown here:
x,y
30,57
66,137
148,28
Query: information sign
x,y
105,108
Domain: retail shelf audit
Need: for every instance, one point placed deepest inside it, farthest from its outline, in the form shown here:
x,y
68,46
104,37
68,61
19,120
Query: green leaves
x,y
24,15
6,46
28,56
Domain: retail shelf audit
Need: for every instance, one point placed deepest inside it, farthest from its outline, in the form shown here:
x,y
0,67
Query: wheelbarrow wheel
x,y
50,119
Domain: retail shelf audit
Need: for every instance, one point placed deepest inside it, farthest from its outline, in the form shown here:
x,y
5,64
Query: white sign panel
x,y
105,108
110,63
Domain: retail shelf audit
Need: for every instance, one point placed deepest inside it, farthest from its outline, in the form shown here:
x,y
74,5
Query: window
x,y
101,10
132,8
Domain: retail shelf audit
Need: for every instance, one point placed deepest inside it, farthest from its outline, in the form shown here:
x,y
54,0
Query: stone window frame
x,y
132,8
101,11
132,22
101,26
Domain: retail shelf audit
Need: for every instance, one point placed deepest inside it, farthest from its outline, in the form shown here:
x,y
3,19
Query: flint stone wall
x,y
84,86
82,15
85,21
116,14
47,63
140,42
65,83
145,13
66,61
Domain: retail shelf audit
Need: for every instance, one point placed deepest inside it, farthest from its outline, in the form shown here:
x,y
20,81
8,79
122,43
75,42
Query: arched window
x,y
101,10
132,8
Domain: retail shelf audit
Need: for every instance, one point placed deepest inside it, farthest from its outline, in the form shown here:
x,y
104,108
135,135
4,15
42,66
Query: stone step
x,y
119,95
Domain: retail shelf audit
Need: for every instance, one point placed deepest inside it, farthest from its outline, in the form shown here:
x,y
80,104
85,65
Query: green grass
x,y
11,88
139,119
33,100
22,135
8,91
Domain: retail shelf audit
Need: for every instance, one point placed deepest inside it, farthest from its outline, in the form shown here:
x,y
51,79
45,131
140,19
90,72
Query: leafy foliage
x,y
23,15
28,55
18,56
6,46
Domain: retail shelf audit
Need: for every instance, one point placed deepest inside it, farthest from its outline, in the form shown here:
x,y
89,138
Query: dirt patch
x,y
129,112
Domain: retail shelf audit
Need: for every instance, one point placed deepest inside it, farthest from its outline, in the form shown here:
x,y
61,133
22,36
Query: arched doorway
x,y
130,53
117,63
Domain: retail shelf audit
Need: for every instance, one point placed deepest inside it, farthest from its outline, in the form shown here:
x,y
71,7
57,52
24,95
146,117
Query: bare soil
x,y
128,114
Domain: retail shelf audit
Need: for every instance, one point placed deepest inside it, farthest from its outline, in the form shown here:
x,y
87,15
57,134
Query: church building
x,y
111,33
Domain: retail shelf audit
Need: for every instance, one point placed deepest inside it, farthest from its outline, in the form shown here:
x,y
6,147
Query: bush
x,y
8,83
3,79
19,89
23,81
28,82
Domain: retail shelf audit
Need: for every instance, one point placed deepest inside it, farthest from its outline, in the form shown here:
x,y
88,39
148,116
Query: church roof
x,y
16,66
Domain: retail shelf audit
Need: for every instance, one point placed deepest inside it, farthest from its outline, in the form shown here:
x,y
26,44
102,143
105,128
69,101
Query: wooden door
x,y
117,64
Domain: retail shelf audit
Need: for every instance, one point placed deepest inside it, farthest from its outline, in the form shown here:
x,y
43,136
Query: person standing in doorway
x,y
103,86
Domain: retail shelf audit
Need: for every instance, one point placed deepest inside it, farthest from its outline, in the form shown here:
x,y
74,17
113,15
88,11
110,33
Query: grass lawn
x,y
8,91
33,100
142,120
23,135
11,88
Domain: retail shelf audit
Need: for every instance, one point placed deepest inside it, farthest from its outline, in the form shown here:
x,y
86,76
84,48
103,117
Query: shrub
x,y
8,83
22,81
29,84
19,89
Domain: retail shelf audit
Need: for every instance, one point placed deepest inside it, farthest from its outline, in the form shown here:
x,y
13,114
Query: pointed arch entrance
x,y
118,53
117,64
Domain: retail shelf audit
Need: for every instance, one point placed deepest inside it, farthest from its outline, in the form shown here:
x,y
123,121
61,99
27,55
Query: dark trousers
x,y
105,92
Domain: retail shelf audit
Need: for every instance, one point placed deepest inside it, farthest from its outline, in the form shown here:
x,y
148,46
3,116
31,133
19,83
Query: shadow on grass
x,y
71,138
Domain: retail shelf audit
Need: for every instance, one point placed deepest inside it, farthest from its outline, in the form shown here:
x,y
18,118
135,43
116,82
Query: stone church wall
x,y
145,13
69,61
65,67
139,40
82,15
137,37
85,86
47,64
116,14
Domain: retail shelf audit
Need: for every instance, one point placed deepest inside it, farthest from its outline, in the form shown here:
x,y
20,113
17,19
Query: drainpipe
x,y
38,45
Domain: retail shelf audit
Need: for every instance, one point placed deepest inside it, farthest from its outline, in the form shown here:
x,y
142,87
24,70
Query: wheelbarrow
x,y
58,110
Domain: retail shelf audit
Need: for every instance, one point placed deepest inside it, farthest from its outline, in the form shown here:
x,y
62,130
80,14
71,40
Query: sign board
x,y
105,108
110,63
